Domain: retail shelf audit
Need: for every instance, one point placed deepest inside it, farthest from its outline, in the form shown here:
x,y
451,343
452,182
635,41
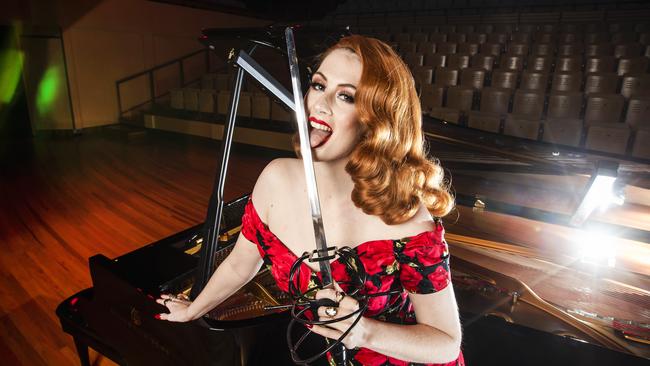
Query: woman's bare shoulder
x,y
271,183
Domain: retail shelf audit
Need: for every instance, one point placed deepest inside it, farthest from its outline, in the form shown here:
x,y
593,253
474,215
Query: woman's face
x,y
334,129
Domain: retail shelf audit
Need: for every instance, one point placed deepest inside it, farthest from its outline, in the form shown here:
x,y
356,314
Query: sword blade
x,y
307,160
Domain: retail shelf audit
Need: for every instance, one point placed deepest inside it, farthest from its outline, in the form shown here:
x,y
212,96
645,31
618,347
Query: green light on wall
x,y
47,88
11,66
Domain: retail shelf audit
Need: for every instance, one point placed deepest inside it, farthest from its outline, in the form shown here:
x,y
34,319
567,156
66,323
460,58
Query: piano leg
x,y
82,352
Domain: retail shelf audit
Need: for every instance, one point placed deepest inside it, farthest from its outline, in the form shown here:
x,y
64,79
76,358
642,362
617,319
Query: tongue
x,y
318,137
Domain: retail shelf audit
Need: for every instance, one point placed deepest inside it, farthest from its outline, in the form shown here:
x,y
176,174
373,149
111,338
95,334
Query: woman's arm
x,y
434,339
241,265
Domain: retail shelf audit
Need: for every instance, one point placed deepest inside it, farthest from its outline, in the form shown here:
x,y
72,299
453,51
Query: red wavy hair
x,y
390,168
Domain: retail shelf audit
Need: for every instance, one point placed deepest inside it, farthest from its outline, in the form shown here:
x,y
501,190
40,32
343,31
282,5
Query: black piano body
x,y
116,318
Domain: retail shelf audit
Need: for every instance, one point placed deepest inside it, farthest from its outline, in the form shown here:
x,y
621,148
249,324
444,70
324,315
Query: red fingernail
x,y
151,297
309,326
157,316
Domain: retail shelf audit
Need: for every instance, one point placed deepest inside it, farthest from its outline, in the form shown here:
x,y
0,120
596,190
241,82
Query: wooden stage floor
x,y
64,200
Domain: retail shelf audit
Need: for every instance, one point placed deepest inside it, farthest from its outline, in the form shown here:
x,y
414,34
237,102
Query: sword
x,y
308,162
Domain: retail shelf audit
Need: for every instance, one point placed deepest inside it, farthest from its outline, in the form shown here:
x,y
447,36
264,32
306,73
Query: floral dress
x,y
417,264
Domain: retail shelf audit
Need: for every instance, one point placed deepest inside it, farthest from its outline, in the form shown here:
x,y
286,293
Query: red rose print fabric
x,y
417,264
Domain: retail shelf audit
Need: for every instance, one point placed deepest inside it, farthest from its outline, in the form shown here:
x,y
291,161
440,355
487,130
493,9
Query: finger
x,y
162,316
326,332
327,293
161,301
337,287
349,303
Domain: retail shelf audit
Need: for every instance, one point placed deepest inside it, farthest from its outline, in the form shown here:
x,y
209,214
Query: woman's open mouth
x,y
319,132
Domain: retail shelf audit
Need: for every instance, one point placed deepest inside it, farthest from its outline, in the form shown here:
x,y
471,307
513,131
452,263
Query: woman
x,y
375,184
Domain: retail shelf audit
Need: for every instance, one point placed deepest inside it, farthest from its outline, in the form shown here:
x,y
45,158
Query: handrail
x,y
150,72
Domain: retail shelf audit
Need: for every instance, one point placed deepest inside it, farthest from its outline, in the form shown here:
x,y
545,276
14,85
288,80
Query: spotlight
x,y
596,248
598,191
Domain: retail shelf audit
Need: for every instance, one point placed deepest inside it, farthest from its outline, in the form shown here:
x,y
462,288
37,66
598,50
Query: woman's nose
x,y
322,105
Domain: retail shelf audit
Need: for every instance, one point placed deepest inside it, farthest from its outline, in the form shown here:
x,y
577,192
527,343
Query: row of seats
x,y
459,101
622,50
517,37
560,118
628,86
604,64
251,104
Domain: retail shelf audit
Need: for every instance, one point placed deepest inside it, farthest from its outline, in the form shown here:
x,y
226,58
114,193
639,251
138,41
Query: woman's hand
x,y
177,307
358,336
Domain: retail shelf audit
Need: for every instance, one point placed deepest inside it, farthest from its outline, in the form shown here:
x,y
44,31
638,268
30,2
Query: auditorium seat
x,y
543,49
606,83
191,99
568,64
435,60
566,81
468,48
504,79
569,37
544,37
176,98
597,37
459,102
638,113
473,77
438,37
644,38
457,37
539,63
484,28
493,107
223,101
510,62
517,49
600,64
413,59
465,28
207,101
570,49
599,49
458,61
603,108
528,104
641,147
261,106
534,81
446,76
624,37
419,37
635,85
521,126
423,74
426,47
431,96
485,62
278,113
407,47
634,65
497,37
563,131
493,49
564,105
521,37
609,137
479,38
628,50
447,48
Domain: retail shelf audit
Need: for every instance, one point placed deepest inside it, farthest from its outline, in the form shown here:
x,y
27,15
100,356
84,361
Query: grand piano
x,y
528,289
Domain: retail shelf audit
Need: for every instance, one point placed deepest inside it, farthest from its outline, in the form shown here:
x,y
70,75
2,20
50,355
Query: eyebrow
x,y
324,77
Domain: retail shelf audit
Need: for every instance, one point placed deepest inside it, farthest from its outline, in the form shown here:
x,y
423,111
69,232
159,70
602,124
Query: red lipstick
x,y
316,120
